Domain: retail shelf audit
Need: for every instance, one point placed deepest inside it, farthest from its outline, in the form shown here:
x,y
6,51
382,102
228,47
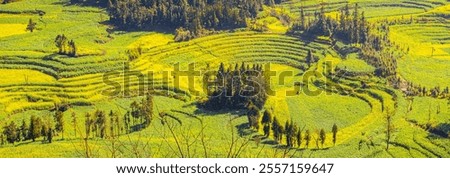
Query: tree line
x,y
293,135
97,124
31,129
191,18
351,27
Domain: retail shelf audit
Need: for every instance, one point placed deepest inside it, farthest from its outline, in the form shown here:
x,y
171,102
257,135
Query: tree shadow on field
x,y
307,38
50,57
243,129
205,112
440,131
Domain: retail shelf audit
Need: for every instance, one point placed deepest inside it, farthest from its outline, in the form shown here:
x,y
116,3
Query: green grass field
x,y
34,78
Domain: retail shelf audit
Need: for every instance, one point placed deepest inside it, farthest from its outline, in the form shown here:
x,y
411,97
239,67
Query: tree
x,y
59,119
309,58
44,129
302,19
100,123
61,43
389,128
24,131
280,133
88,122
50,135
266,130
74,123
267,117
275,125
126,120
72,49
299,138
322,136
307,138
147,109
287,127
35,128
11,132
291,131
253,116
334,130
87,125
31,25
266,121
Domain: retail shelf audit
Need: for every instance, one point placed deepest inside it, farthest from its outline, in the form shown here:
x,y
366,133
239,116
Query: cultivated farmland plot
x,y
79,80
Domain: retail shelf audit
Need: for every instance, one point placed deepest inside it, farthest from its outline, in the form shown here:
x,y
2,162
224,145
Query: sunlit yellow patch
x,y
16,76
12,29
152,40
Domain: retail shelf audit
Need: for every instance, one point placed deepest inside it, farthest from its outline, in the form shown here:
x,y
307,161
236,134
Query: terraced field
x,y
380,8
34,78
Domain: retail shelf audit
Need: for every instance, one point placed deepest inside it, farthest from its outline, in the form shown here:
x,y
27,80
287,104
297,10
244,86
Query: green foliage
x,y
59,127
334,129
237,88
322,136
65,46
31,25
253,116
12,133
194,16
36,126
307,137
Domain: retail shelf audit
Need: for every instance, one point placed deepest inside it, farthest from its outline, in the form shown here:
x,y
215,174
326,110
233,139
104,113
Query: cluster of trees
x,y
102,125
241,87
293,134
97,124
32,129
191,17
418,90
65,46
351,27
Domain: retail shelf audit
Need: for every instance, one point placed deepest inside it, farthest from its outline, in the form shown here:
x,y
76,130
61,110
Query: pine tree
x,y
322,136
111,123
267,117
307,138
302,19
50,135
74,123
12,132
275,125
309,58
59,119
31,25
61,43
334,130
299,138
148,109
87,125
355,25
35,128
24,131
266,121
253,116
72,49
287,127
